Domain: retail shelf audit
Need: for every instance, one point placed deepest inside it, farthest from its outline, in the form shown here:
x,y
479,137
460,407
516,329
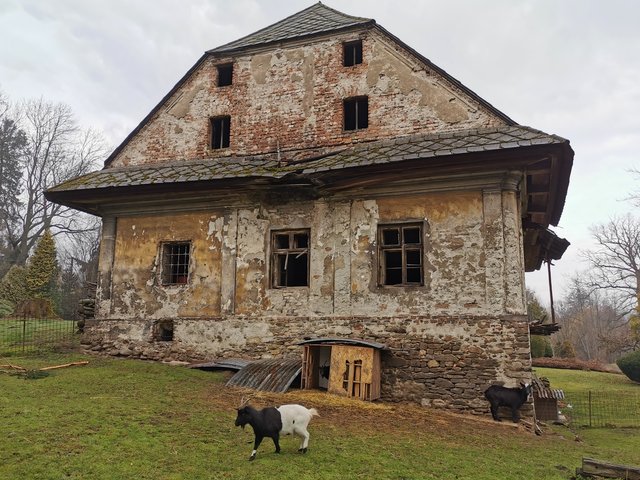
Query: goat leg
x,y
256,444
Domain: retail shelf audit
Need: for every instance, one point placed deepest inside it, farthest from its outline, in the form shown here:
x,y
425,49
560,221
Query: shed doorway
x,y
344,367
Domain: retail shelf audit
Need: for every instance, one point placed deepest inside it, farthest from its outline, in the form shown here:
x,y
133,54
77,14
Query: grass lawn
x,y
129,419
597,398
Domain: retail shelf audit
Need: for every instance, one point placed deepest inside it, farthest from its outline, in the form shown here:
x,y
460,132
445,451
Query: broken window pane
x,y
391,237
352,53
400,257
225,74
290,259
356,113
220,132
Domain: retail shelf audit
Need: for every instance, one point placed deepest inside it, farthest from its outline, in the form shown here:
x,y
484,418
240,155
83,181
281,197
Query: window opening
x,y
356,113
352,53
220,132
163,331
175,263
400,254
290,258
225,74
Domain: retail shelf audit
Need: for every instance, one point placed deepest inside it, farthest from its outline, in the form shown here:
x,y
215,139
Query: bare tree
x,y
615,263
593,323
56,150
12,144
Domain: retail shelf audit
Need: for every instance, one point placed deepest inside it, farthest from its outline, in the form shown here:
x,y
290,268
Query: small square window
x,y
290,258
400,254
356,113
352,53
220,132
175,263
163,331
225,74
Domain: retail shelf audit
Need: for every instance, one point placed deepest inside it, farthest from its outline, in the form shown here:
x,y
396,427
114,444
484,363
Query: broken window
x,y
352,53
175,263
220,132
225,74
290,258
356,113
400,254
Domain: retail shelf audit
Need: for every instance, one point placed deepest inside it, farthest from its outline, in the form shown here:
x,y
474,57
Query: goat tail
x,y
314,412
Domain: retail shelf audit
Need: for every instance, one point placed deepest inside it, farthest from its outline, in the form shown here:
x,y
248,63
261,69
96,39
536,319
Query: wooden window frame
x,y
352,53
219,132
405,249
358,118
175,268
293,250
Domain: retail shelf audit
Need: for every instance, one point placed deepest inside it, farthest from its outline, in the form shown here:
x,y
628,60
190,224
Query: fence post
x,y
590,408
24,333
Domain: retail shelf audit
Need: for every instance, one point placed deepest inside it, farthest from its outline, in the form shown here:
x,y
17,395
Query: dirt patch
x,y
371,417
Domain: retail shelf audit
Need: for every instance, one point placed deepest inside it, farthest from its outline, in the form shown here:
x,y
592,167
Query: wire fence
x,y
603,408
21,336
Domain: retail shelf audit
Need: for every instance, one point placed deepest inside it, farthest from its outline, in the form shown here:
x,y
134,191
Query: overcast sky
x,y
568,67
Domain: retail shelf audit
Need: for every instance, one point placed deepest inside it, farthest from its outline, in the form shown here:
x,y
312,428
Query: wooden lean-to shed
x,y
545,399
342,366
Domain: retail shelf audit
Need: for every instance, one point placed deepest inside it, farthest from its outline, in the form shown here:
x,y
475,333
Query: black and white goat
x,y
507,397
273,422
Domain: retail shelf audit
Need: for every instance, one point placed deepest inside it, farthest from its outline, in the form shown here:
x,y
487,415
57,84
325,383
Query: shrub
x,y
565,350
630,365
6,308
13,287
541,346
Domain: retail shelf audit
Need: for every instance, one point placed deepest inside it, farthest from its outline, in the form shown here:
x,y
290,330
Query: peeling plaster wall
x,y
137,289
464,329
291,98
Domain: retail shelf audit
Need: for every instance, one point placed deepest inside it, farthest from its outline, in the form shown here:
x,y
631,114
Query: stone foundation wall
x,y
443,362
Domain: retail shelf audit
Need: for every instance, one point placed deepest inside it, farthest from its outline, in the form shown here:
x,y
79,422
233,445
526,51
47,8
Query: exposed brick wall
x,y
291,98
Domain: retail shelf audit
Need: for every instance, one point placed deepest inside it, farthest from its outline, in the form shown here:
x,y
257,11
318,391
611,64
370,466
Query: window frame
x,y
225,73
402,247
170,274
276,253
217,123
352,51
357,115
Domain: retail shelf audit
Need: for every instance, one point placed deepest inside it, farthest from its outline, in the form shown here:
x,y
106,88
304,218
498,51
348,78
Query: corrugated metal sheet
x,y
270,375
343,341
225,364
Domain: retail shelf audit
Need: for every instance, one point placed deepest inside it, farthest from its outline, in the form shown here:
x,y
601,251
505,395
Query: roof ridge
x,y
319,9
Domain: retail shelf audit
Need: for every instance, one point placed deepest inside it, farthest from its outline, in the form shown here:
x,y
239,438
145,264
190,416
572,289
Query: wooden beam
x,y
595,468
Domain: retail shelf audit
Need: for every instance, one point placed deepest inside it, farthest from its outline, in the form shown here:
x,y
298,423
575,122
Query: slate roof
x,y
314,20
359,155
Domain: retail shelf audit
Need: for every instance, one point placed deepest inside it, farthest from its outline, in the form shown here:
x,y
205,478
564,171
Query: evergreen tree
x,y
13,287
43,268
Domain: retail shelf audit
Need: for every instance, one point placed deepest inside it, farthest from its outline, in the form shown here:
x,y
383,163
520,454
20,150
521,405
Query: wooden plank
x,y
597,468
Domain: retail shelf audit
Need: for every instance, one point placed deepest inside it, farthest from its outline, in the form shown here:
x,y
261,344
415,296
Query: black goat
x,y
272,422
507,397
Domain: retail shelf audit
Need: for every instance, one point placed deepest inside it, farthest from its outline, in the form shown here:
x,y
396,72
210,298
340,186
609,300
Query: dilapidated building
x,y
320,178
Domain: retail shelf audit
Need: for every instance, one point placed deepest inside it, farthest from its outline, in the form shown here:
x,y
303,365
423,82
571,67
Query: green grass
x,y
124,419
596,398
33,334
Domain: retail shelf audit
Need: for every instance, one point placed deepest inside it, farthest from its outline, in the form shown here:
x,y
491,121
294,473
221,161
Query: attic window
x,y
400,254
290,258
356,113
175,263
225,74
220,132
352,53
